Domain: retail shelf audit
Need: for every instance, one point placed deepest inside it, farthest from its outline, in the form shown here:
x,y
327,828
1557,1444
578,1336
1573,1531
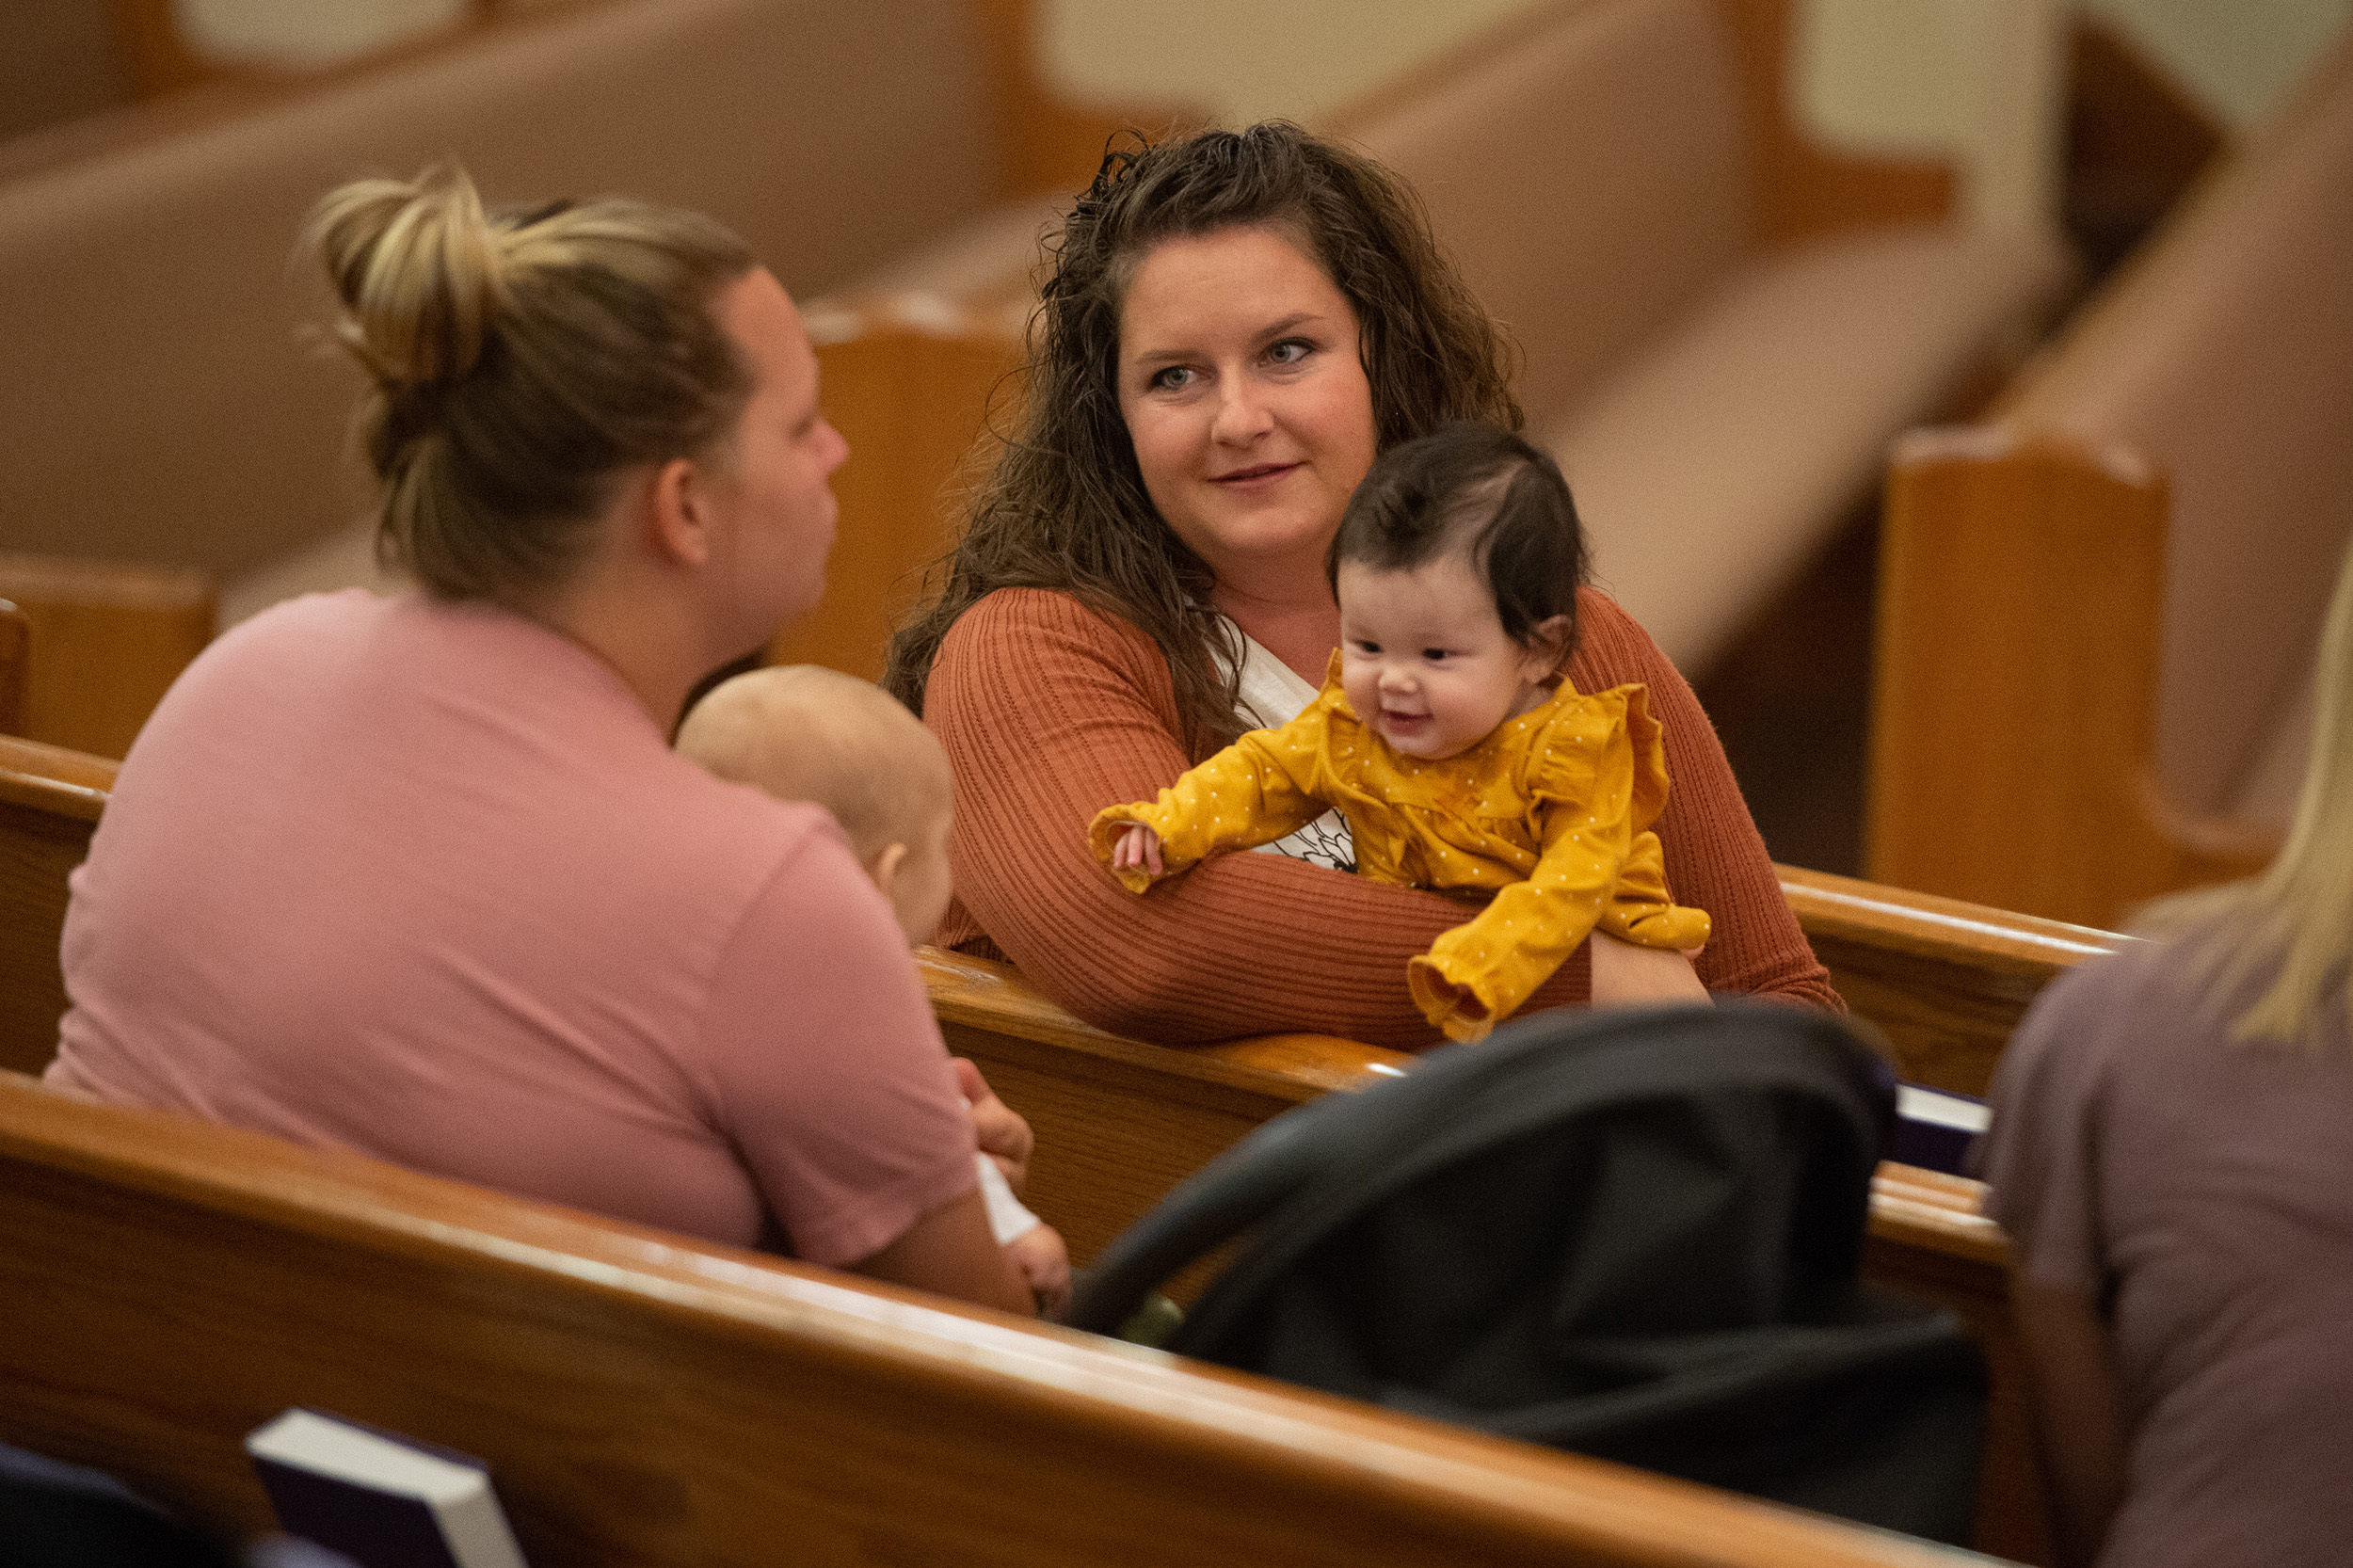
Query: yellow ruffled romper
x,y
1551,814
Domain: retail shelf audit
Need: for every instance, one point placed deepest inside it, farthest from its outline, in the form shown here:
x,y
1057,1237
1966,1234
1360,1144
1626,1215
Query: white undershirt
x,y
1273,693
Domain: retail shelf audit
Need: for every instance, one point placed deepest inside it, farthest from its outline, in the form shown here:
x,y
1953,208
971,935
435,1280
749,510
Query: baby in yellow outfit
x,y
1445,735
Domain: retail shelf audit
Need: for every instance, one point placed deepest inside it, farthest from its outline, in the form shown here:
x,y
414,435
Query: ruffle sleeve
x,y
1598,776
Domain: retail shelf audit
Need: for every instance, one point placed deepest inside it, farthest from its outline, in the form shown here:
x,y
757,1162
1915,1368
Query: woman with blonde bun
x,y
2172,1154
421,876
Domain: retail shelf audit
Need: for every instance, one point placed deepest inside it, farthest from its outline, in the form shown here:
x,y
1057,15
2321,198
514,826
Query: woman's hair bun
x,y
421,272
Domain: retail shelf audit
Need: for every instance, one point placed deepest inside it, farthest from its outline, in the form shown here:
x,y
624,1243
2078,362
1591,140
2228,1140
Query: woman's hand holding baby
x,y
1138,849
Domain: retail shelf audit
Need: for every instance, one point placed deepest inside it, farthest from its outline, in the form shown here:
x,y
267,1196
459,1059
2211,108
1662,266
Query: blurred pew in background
x,y
2100,608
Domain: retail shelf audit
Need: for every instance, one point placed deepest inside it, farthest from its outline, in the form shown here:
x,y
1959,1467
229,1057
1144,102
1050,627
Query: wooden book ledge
x,y
642,1398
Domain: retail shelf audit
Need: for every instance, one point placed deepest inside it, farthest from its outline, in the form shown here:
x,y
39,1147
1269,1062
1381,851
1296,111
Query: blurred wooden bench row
x,y
2100,608
164,411
1722,321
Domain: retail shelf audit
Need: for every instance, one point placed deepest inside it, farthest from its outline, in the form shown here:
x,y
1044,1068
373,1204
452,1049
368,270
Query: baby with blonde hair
x,y
804,732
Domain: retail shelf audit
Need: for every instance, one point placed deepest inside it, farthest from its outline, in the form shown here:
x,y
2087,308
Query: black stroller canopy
x,y
1632,1234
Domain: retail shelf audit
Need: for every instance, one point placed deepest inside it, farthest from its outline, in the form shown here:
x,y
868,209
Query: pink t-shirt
x,y
423,880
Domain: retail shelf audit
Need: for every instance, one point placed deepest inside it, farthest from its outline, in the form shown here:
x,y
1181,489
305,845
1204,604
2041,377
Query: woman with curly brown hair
x,y
1235,324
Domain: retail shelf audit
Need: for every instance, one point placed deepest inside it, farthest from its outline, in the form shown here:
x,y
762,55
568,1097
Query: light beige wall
x,y
1246,60
2238,57
1975,79
306,32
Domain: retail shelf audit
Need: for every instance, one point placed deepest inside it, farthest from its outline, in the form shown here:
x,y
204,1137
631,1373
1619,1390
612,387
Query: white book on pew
x,y
383,1502
1936,1127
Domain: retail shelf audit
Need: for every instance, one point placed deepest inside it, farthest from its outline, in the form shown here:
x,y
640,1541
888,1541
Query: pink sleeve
x,y
2042,1152
827,1067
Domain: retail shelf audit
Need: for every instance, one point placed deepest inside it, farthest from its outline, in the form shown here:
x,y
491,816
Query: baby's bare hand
x,y
1045,1265
1139,849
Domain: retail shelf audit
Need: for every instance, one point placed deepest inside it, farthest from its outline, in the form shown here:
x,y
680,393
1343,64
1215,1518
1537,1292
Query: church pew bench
x,y
1945,980
1120,1121
50,802
16,635
644,1399
164,410
2099,608
107,638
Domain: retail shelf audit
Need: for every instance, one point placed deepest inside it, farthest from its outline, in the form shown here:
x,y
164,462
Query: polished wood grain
x,y
1945,980
642,1398
108,640
50,802
2014,686
16,634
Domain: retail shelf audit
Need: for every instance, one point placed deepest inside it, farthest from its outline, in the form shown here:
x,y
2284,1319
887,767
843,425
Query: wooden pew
x,y
1666,253
909,379
1943,980
50,802
1121,1122
16,634
168,416
2099,608
644,1398
112,640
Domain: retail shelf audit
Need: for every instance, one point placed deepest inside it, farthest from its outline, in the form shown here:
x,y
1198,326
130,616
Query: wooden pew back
x,y
111,640
2099,609
16,635
642,1398
50,802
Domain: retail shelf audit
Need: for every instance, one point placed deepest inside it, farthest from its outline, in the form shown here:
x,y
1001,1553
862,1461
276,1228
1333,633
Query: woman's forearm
x,y
2079,1416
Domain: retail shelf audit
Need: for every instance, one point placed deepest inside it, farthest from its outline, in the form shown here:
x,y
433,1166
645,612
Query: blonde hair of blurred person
x,y
601,414
2297,914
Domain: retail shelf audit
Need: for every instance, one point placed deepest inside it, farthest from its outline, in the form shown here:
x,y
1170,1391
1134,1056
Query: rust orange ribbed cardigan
x,y
1050,711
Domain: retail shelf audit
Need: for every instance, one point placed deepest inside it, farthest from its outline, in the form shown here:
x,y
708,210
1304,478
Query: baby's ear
x,y
884,870
1548,644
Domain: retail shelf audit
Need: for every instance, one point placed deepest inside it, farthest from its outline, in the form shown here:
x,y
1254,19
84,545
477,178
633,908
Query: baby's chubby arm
x,y
1251,794
1481,970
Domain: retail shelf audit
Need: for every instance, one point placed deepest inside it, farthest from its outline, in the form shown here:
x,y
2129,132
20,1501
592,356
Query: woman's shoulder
x,y
2144,999
1008,621
1611,645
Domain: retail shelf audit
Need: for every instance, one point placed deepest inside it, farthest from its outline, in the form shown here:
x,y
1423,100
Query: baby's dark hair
x,y
1469,486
